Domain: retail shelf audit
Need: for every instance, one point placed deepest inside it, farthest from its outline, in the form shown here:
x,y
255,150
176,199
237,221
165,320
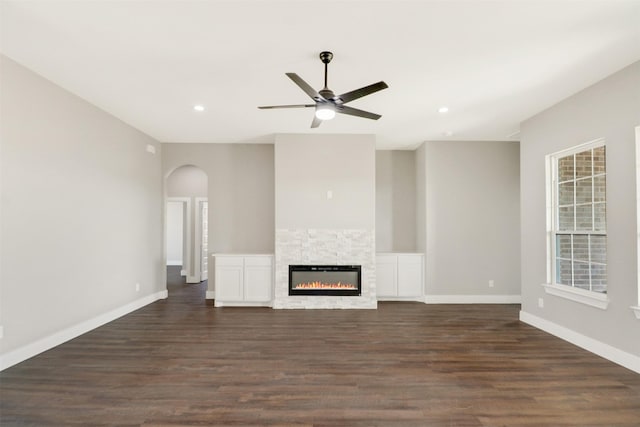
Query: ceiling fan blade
x,y
363,91
268,107
304,86
343,109
316,122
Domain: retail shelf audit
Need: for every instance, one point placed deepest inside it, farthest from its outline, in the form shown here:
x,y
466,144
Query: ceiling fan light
x,y
325,113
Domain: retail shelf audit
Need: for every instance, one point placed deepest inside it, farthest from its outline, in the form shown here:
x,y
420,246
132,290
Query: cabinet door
x,y
229,277
386,274
410,275
258,279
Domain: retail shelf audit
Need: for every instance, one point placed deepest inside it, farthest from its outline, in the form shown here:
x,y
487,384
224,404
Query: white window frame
x,y
636,308
592,298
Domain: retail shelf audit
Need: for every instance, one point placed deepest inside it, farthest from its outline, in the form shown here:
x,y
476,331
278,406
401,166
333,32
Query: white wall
x,y
421,199
609,109
81,211
174,233
471,204
395,201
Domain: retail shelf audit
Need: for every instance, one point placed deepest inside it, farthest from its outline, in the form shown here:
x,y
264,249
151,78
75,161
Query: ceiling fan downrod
x,y
326,57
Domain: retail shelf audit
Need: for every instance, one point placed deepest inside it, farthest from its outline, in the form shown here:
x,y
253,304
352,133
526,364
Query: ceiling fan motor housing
x,y
326,57
327,94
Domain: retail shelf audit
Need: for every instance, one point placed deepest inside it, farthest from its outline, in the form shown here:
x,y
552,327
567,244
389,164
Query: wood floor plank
x,y
182,362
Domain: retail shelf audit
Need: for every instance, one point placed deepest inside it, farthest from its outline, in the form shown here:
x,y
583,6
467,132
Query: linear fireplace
x,y
339,280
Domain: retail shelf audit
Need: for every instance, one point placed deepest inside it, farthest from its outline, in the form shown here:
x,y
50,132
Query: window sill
x,y
593,299
636,310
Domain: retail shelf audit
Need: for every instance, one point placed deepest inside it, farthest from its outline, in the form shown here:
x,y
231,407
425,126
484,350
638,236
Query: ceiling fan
x,y
327,104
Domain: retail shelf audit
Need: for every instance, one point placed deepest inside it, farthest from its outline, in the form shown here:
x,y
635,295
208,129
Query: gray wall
x,y
609,109
187,181
472,217
395,201
81,210
240,192
310,165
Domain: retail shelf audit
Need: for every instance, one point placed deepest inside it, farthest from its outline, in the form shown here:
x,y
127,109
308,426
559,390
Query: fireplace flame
x,y
323,285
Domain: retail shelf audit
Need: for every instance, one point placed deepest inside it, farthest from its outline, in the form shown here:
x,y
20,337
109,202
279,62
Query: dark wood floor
x,y
184,362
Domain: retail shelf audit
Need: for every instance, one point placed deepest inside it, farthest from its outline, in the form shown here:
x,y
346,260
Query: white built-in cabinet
x,y
243,280
400,276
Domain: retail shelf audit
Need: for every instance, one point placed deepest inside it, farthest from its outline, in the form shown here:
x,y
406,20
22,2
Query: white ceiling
x,y
493,63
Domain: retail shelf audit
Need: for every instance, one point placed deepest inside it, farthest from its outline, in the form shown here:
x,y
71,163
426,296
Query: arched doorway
x,y
186,224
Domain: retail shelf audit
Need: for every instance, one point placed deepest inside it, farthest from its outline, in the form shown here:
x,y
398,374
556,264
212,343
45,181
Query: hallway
x,y
181,292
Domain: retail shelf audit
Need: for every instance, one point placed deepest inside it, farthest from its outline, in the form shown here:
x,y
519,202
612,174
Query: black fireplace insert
x,y
337,280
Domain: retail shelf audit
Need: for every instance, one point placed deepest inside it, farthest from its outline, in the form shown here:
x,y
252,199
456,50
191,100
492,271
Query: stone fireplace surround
x,y
324,247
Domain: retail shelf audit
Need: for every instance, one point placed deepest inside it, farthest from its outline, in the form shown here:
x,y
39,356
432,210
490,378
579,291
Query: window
x,y
577,223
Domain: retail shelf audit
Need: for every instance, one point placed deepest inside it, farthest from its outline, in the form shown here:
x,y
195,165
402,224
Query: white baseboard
x,y
242,304
210,295
416,299
193,279
472,299
613,354
28,351
174,262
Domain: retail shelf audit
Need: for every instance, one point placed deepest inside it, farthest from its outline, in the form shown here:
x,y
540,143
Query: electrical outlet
x,y
137,287
491,283
541,302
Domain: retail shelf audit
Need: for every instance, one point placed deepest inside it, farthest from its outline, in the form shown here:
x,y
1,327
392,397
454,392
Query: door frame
x,y
197,260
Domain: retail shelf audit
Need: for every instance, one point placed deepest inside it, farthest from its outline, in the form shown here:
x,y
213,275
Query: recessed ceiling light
x,y
448,133
443,109
198,107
